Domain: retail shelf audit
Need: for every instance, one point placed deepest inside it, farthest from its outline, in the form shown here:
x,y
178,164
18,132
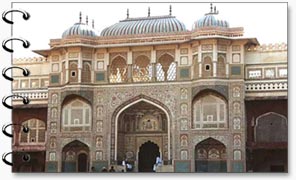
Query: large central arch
x,y
126,105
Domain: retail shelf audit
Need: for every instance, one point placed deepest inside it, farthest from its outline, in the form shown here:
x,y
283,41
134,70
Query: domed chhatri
x,y
81,29
145,25
209,20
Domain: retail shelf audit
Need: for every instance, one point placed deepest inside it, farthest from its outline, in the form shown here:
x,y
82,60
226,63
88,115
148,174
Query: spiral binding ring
x,y
4,159
26,15
26,72
26,44
25,129
26,158
25,100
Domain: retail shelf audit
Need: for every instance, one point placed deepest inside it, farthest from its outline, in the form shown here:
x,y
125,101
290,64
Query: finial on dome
x,y
80,17
86,20
93,24
215,11
170,10
148,11
211,8
127,13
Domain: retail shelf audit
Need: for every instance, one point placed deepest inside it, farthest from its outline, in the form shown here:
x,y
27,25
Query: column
x,y
199,61
79,67
214,60
153,63
67,69
153,72
227,70
93,67
190,62
106,65
129,66
228,60
177,60
129,73
153,56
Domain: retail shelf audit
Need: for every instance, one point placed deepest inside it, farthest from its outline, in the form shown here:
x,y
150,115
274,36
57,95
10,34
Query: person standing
x,y
112,169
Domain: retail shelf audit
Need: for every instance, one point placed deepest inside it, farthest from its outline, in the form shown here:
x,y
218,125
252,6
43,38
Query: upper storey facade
x,y
156,49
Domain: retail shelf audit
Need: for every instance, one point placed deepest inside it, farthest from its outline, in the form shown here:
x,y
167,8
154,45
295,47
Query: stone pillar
x,y
67,69
129,66
215,53
242,54
177,54
153,56
190,62
107,66
153,72
214,69
153,63
129,73
80,67
93,67
200,70
227,70
199,60
59,158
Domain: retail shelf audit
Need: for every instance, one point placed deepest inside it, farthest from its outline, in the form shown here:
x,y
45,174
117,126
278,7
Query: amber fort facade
x,y
207,99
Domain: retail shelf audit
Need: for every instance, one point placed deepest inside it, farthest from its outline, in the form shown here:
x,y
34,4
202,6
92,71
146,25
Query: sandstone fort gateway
x,y
206,99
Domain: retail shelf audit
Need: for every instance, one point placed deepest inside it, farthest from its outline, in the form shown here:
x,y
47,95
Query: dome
x,y
80,29
209,20
146,25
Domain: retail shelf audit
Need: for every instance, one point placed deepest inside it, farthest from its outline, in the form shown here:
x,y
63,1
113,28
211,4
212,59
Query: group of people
x,y
129,167
104,169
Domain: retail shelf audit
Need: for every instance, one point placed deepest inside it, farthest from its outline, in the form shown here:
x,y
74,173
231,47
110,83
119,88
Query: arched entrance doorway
x,y
82,162
75,156
137,122
210,156
147,156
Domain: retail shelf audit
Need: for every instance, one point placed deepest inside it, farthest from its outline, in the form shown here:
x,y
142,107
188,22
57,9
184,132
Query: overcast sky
x,y
265,21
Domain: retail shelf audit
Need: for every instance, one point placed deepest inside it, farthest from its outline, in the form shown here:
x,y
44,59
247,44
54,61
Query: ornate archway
x,y
75,157
136,121
210,156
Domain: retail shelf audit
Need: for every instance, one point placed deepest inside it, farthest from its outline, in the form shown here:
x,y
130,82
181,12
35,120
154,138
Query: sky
x,y
265,21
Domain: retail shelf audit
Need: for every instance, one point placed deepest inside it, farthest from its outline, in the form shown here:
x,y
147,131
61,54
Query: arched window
x,y
76,116
118,70
207,70
209,111
166,68
142,69
271,127
73,71
221,66
86,72
36,132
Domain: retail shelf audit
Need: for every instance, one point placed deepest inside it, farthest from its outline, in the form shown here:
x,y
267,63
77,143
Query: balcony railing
x,y
266,86
31,94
